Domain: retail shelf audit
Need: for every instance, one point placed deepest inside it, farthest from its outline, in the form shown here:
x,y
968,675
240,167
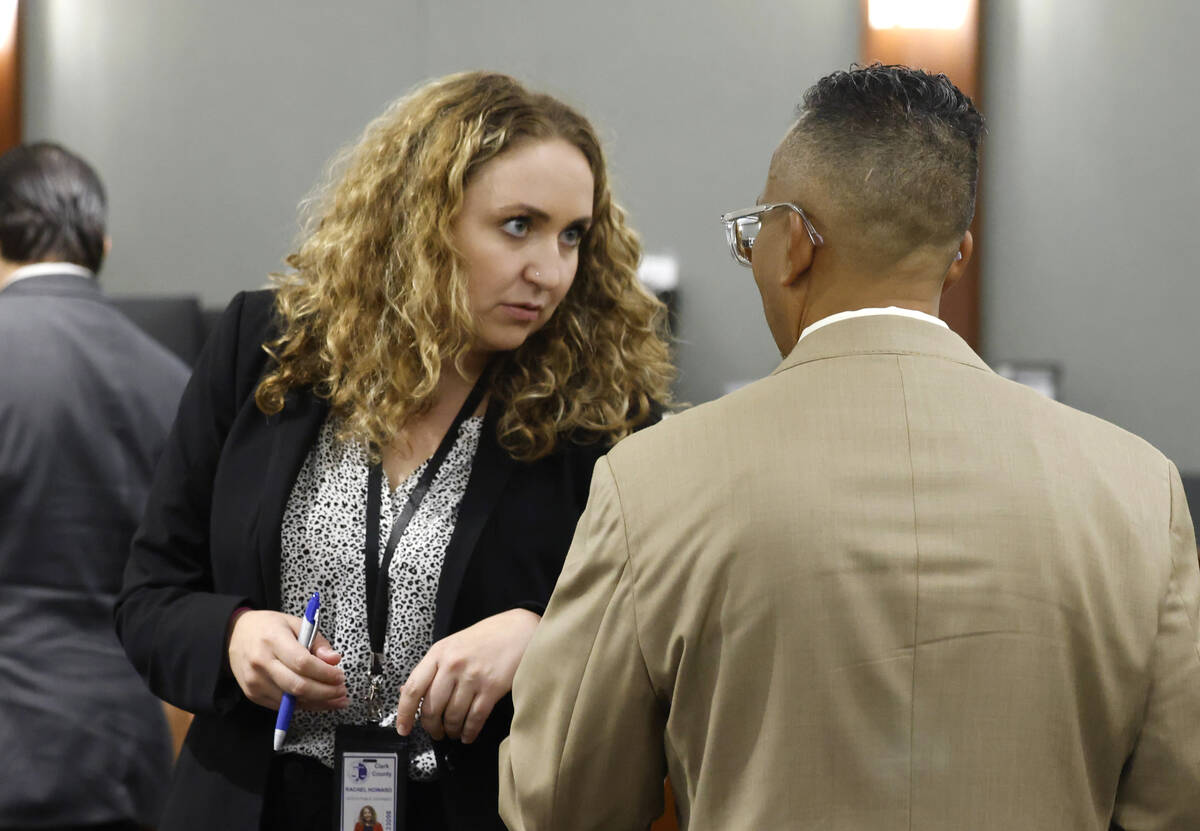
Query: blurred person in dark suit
x,y
86,400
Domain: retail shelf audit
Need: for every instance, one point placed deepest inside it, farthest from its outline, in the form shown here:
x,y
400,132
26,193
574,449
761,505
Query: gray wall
x,y
1090,257
210,121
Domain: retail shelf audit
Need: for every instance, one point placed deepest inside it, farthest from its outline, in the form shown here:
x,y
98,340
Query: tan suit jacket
x,y
883,588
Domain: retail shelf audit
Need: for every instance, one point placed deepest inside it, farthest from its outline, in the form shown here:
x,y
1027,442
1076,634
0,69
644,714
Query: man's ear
x,y
959,266
800,249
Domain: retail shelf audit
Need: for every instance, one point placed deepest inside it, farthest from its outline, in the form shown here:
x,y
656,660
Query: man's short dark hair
x,y
897,152
52,206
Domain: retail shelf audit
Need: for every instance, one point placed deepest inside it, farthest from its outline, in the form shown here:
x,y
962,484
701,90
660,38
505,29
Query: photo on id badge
x,y
369,791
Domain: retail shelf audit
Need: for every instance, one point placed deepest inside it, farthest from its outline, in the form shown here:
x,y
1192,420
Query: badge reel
x,y
371,773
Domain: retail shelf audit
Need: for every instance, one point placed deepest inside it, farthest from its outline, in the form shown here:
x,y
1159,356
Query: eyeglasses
x,y
742,227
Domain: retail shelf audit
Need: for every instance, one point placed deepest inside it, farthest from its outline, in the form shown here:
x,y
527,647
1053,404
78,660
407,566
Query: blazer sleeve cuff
x,y
193,670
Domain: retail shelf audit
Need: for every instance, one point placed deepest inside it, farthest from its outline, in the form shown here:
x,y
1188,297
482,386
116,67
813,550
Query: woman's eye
x,y
518,226
572,237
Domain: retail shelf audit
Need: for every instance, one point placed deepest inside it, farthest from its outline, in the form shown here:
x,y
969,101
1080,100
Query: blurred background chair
x,y
177,322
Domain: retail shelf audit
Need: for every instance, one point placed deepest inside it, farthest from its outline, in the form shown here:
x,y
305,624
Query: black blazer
x,y
210,543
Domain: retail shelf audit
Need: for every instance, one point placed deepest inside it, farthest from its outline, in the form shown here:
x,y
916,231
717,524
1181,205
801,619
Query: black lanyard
x,y
378,584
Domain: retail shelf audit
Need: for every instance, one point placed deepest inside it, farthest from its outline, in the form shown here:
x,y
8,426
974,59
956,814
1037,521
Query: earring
x,y
957,256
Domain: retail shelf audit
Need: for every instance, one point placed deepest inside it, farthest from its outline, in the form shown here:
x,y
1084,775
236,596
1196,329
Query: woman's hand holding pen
x,y
268,661
463,676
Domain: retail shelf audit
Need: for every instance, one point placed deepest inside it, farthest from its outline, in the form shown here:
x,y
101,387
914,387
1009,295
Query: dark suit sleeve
x,y
1160,786
579,462
169,618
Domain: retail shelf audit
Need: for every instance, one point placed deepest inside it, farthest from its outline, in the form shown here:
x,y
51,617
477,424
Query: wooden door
x,y
955,52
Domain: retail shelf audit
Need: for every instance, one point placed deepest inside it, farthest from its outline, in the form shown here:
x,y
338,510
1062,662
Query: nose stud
x,y
537,274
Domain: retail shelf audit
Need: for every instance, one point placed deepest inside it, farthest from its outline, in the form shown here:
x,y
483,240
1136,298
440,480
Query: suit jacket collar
x,y
882,335
59,285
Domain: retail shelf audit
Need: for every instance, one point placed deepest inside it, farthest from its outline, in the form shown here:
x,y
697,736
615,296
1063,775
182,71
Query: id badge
x,y
370,773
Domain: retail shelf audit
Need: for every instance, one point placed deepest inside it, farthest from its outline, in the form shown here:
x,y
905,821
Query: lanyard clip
x,y
375,692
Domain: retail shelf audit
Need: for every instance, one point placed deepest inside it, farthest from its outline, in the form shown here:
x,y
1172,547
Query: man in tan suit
x,y
883,588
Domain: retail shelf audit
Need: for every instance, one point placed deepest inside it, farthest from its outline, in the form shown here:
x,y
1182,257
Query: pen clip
x,y
315,623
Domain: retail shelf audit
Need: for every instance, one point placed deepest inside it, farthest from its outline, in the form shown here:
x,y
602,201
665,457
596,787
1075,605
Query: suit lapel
x,y
489,473
294,430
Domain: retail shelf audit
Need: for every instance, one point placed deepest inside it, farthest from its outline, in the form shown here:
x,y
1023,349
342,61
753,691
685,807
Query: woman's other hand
x,y
463,676
267,660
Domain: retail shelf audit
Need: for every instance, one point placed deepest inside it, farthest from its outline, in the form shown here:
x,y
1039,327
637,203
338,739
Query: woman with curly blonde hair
x,y
407,425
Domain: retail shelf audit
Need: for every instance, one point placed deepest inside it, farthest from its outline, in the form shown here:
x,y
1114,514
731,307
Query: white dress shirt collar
x,y
890,310
42,269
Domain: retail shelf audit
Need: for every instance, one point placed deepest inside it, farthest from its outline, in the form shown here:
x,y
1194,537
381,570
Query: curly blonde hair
x,y
378,297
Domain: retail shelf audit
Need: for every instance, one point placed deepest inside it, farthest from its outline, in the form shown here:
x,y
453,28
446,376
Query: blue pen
x,y
312,614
